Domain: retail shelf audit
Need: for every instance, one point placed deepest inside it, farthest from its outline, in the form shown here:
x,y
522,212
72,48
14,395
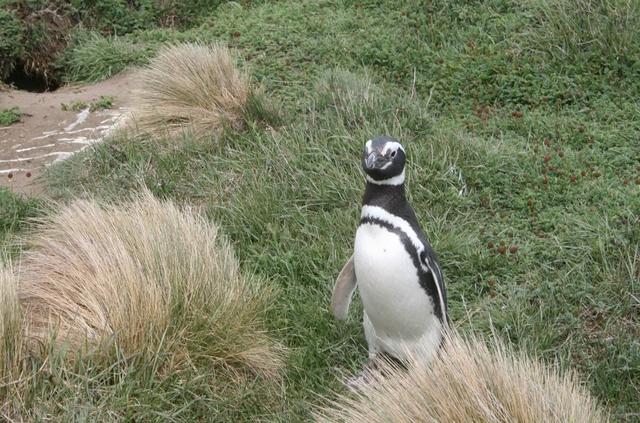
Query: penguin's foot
x,y
380,364
364,376
359,380
390,363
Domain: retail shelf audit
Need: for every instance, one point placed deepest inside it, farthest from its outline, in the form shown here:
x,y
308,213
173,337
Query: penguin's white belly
x,y
398,308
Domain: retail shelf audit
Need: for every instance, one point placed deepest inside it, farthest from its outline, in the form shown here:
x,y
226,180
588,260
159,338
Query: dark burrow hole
x,y
31,82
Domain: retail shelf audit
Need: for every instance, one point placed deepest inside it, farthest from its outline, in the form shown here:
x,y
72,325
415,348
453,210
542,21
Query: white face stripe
x,y
393,146
396,180
399,223
369,148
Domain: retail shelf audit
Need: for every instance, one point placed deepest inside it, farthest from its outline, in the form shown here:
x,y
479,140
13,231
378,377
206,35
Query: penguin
x,y
393,265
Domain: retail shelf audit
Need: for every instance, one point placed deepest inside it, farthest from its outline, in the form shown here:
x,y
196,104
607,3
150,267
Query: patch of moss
x,y
10,116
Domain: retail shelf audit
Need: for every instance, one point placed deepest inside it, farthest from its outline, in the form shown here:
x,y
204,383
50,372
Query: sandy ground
x,y
48,134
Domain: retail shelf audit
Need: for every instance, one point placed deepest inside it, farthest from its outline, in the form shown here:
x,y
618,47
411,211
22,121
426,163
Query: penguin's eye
x,y
393,154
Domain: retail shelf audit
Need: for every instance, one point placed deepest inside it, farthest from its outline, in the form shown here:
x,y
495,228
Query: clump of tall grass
x,y
144,279
93,57
10,33
192,87
469,381
10,328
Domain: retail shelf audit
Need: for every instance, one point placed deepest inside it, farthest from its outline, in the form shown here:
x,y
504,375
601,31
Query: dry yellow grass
x,y
190,87
147,278
10,328
468,382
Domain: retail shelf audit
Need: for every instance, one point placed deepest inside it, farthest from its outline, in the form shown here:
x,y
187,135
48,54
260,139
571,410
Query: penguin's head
x,y
383,160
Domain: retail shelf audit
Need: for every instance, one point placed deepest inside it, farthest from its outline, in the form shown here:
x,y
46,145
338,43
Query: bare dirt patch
x,y
47,133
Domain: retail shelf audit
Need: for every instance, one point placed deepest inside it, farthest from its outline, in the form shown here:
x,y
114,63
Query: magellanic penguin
x,y
393,265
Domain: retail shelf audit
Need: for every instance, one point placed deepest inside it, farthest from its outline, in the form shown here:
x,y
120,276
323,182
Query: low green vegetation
x,y
74,106
104,102
10,116
15,213
9,41
521,126
36,35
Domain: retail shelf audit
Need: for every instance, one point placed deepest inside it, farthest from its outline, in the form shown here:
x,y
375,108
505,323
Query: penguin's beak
x,y
371,160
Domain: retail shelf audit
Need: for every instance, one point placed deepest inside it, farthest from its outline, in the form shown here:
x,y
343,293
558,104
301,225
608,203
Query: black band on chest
x,y
426,278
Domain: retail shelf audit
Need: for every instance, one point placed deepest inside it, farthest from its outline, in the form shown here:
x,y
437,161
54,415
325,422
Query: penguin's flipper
x,y
343,290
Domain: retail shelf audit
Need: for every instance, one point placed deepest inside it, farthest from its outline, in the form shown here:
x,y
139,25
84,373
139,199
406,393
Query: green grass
x,y
9,41
604,27
93,57
36,35
104,102
74,106
133,391
10,116
517,132
15,213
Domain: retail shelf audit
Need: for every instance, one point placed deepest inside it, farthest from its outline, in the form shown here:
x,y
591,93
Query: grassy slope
x,y
14,213
501,98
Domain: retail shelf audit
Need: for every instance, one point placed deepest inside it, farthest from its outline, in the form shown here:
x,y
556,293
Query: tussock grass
x,y
9,42
10,329
93,57
191,86
143,280
469,381
12,352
